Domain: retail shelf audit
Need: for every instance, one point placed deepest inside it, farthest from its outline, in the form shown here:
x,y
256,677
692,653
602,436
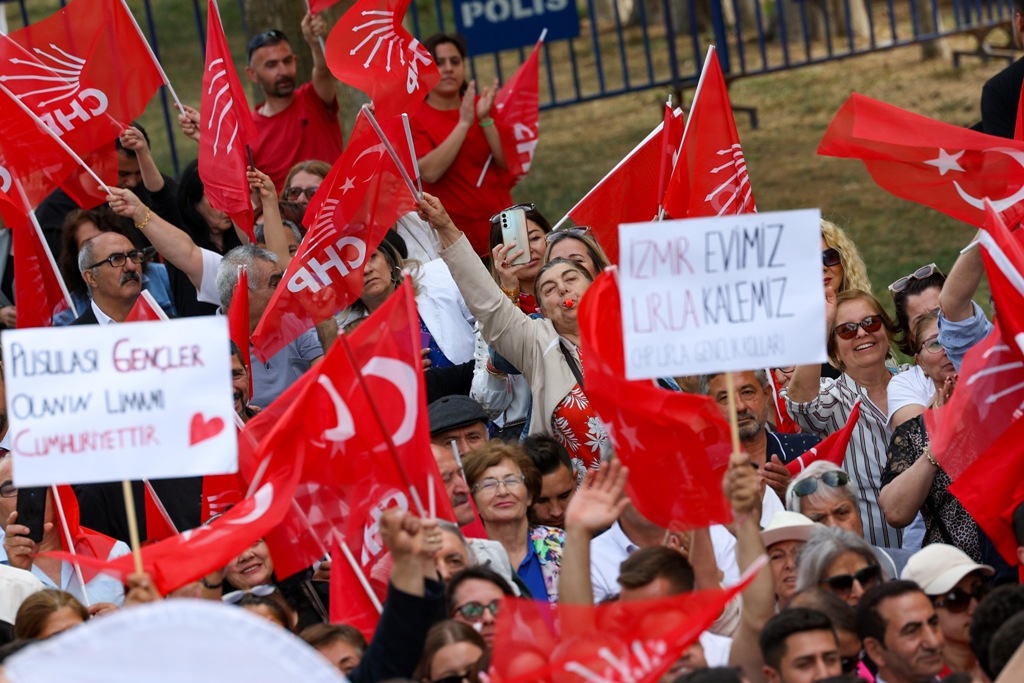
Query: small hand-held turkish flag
x,y
675,444
832,449
517,115
238,320
710,176
39,290
948,168
671,135
353,602
227,128
629,193
362,196
146,309
158,523
369,49
785,424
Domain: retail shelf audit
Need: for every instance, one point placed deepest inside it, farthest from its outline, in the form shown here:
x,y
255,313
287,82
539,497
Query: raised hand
x,y
486,101
600,500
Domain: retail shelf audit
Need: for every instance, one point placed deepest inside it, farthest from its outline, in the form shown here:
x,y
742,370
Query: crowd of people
x,y
875,571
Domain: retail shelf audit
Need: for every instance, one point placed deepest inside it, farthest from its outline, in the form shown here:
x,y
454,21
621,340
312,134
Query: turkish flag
x,y
948,168
238,320
675,444
710,176
629,193
634,641
39,291
146,309
1004,262
275,468
362,196
158,523
517,115
671,135
785,424
350,602
386,349
988,398
88,544
832,449
1018,127
227,129
369,49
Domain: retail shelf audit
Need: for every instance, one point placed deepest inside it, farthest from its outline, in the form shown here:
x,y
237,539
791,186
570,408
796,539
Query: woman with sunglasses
x,y
913,481
504,483
450,653
859,334
304,180
545,350
836,560
457,144
842,268
577,244
473,598
956,584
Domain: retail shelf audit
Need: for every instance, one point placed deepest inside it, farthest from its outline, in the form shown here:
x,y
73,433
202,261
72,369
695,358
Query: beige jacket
x,y
530,344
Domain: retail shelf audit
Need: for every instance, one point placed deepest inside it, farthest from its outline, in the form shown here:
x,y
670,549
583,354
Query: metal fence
x,y
623,46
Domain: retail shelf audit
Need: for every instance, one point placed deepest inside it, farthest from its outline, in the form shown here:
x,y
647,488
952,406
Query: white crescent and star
x,y
947,162
405,379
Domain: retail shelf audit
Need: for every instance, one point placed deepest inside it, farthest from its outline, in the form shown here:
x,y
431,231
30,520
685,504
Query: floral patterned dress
x,y
547,542
576,426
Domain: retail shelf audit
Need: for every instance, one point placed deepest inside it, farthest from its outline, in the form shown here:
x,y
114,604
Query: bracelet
x,y
145,221
211,586
512,294
486,122
928,454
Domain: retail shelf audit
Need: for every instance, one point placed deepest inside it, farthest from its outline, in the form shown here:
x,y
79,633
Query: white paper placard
x,y
96,403
708,295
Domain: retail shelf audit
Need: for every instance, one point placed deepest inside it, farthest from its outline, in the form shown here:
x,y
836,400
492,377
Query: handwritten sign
x,y
716,294
98,403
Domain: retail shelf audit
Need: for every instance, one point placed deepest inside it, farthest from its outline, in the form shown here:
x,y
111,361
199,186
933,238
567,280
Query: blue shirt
x,y
530,573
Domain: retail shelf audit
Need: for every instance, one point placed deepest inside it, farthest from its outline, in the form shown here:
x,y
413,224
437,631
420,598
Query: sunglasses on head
x,y
834,479
842,584
830,257
919,274
958,600
474,611
872,323
562,233
261,591
271,37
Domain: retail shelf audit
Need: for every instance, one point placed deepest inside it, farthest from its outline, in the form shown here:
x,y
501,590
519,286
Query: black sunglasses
x,y
117,260
832,478
872,323
271,37
957,600
830,257
293,193
842,584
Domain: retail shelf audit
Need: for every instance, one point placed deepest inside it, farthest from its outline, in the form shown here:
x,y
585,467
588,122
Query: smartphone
x,y
32,510
513,231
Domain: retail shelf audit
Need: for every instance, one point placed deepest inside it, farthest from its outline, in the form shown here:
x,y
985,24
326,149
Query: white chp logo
x,y
222,105
53,82
733,194
382,34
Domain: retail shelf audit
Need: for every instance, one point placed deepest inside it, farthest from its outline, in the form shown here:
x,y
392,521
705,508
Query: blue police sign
x,y
494,25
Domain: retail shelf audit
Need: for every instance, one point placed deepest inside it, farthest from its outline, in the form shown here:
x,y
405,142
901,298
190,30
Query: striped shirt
x,y
866,454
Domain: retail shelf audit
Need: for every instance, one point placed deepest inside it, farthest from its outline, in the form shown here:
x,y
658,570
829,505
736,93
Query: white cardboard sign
x,y
708,295
96,403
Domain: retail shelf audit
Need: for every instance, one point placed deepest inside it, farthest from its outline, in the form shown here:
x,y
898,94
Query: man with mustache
x,y
294,123
112,268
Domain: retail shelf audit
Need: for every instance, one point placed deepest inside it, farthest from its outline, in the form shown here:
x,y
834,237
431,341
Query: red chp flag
x,y
227,129
832,449
785,424
710,176
87,543
517,115
369,49
948,168
675,444
1004,262
87,72
362,196
39,291
146,309
634,641
629,193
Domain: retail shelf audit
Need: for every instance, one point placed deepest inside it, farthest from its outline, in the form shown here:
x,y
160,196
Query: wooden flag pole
x,y
734,428
133,524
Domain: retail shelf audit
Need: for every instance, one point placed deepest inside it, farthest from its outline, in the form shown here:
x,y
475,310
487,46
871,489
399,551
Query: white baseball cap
x,y
938,567
787,526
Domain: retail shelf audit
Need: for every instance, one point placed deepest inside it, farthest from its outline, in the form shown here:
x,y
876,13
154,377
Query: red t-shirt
x,y
469,206
307,129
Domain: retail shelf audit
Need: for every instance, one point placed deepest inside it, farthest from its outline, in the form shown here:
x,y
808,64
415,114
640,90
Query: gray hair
x,y
85,257
227,272
445,525
705,380
824,547
824,494
260,231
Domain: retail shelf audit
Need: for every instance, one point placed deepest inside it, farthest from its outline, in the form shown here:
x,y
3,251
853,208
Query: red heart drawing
x,y
202,429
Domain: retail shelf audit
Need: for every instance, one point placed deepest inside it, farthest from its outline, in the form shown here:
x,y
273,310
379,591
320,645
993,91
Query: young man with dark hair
x,y
558,479
799,646
899,629
996,609
655,572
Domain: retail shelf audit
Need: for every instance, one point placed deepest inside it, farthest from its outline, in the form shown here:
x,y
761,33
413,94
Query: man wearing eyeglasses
x,y
112,269
956,584
294,123
900,631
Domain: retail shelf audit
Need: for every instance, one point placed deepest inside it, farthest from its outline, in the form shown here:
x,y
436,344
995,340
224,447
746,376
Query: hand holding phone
x,y
513,231
32,511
